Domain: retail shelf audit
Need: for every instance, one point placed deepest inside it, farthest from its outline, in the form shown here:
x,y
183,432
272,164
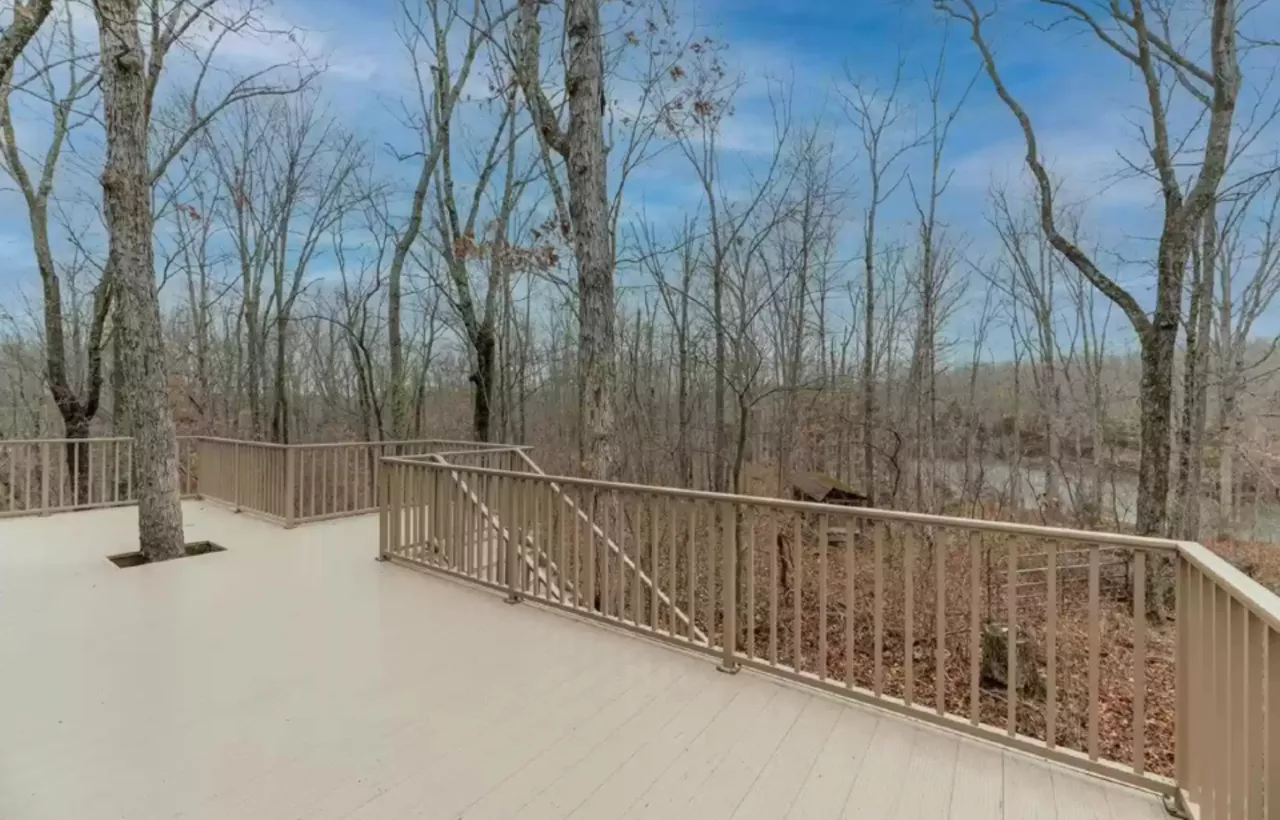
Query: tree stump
x,y
994,667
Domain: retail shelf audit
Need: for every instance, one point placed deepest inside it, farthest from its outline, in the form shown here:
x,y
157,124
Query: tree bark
x,y
127,197
485,343
27,19
582,146
1195,386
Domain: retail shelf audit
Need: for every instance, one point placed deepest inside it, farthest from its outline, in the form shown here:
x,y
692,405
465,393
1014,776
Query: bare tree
x,y
426,33
582,145
878,115
62,77
27,19
1248,270
1216,87
126,187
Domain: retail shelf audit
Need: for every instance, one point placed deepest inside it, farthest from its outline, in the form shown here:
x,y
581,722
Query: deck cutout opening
x,y
125,560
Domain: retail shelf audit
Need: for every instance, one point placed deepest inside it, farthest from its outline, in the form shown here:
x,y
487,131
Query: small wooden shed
x,y
825,490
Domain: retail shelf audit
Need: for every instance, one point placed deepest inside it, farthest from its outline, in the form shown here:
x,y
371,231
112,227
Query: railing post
x,y
384,516
729,587
235,476
44,479
512,541
1182,686
290,471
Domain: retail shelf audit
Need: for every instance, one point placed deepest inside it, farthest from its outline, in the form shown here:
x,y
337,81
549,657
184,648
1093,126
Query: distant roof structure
x,y
825,490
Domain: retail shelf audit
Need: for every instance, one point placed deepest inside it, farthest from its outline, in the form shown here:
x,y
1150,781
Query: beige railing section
x,y
337,480
40,476
1037,637
286,483
1228,690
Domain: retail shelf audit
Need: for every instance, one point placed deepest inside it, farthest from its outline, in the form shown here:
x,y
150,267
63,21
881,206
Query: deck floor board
x,y
293,676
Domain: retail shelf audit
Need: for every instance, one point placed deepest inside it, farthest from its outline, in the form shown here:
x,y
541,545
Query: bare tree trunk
x,y
127,195
27,19
486,346
1196,385
582,146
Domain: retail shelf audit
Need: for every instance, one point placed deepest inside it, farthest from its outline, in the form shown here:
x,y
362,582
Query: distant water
x,y
1260,522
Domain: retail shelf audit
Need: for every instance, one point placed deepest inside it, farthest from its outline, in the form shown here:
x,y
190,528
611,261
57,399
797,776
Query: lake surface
x,y
1257,521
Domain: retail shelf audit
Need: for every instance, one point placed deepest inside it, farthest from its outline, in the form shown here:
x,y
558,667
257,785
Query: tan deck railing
x,y
1035,636
58,475
286,483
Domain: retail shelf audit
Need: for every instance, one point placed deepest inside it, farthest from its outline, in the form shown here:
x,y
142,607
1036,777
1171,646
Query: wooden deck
x,y
295,677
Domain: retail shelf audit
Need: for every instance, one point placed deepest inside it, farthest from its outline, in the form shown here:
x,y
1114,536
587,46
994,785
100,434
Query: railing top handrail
x,y
1113,539
470,446
244,441
476,446
514,448
94,439
1250,594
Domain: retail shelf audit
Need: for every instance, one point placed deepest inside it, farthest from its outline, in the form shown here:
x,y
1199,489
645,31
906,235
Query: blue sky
x,y
1083,100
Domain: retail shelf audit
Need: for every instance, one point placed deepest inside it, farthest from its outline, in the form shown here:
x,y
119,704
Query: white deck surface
x,y
295,677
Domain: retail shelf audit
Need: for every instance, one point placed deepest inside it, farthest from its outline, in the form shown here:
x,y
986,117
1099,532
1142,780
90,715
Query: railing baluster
x,y
546,535
1095,627
975,646
773,590
561,512
484,530
1255,704
1011,636
1221,696
748,557
62,477
823,537
1051,645
460,515
592,598
909,614
729,560
939,623
1183,673
654,525
1139,755
399,508
441,553
1271,683
672,508
579,577
30,457
797,592
424,486
606,509
510,544
691,568
317,481
637,603
850,600
76,501
878,615
620,527
13,483
1236,730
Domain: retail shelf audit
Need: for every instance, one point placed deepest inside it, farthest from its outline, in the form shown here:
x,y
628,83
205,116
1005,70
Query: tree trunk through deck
x,y
482,383
127,197
76,454
593,244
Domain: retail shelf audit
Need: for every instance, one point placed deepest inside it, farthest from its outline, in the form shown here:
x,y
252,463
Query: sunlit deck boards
x,y
294,677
